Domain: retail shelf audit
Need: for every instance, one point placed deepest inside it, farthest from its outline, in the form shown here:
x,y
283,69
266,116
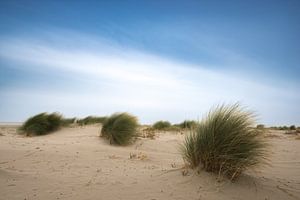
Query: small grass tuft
x,y
161,125
120,128
188,124
42,124
225,143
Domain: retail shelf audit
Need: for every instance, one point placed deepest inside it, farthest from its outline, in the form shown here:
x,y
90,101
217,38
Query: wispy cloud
x,y
118,78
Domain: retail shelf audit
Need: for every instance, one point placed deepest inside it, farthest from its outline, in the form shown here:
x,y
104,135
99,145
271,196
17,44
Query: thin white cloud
x,y
147,85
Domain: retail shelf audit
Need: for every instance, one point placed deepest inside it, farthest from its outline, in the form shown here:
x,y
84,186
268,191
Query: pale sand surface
x,y
75,163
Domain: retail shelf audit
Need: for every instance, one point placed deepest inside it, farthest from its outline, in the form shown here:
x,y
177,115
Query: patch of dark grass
x,y
283,128
292,127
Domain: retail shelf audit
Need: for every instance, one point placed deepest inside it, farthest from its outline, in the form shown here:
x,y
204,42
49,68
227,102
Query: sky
x,y
159,60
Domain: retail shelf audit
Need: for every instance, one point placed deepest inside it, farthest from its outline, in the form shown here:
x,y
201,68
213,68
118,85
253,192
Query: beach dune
x,y
75,163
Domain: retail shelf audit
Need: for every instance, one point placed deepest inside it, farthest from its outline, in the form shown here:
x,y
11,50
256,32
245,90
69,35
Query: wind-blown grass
x,y
41,124
160,125
225,143
120,128
91,120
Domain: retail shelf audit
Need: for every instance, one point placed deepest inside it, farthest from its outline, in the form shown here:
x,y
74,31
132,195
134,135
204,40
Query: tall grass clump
x,y
160,125
42,124
225,143
120,128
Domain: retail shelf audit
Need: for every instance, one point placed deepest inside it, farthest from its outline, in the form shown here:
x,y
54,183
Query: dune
x,y
75,163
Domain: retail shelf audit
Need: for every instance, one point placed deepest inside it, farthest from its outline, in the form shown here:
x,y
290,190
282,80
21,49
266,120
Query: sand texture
x,y
75,163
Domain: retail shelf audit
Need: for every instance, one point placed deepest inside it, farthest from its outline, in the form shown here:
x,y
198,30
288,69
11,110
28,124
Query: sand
x,y
75,163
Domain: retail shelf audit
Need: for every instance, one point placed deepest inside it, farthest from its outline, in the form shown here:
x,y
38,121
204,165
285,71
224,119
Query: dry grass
x,y
148,133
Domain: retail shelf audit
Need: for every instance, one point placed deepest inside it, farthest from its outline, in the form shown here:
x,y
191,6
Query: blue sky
x,y
168,60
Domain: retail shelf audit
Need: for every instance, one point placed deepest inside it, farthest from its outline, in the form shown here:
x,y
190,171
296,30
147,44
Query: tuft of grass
x,y
224,142
120,128
42,124
188,124
91,120
160,125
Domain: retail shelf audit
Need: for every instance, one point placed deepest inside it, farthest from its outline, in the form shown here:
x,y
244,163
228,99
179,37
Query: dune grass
x,y
161,125
120,128
91,120
225,143
188,124
41,124
68,121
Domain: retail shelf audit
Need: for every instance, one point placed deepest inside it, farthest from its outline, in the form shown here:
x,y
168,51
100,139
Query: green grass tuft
x,y
120,128
225,143
160,125
42,124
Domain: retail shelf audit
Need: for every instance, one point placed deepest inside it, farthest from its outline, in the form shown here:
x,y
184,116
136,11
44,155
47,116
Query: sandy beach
x,y
75,163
